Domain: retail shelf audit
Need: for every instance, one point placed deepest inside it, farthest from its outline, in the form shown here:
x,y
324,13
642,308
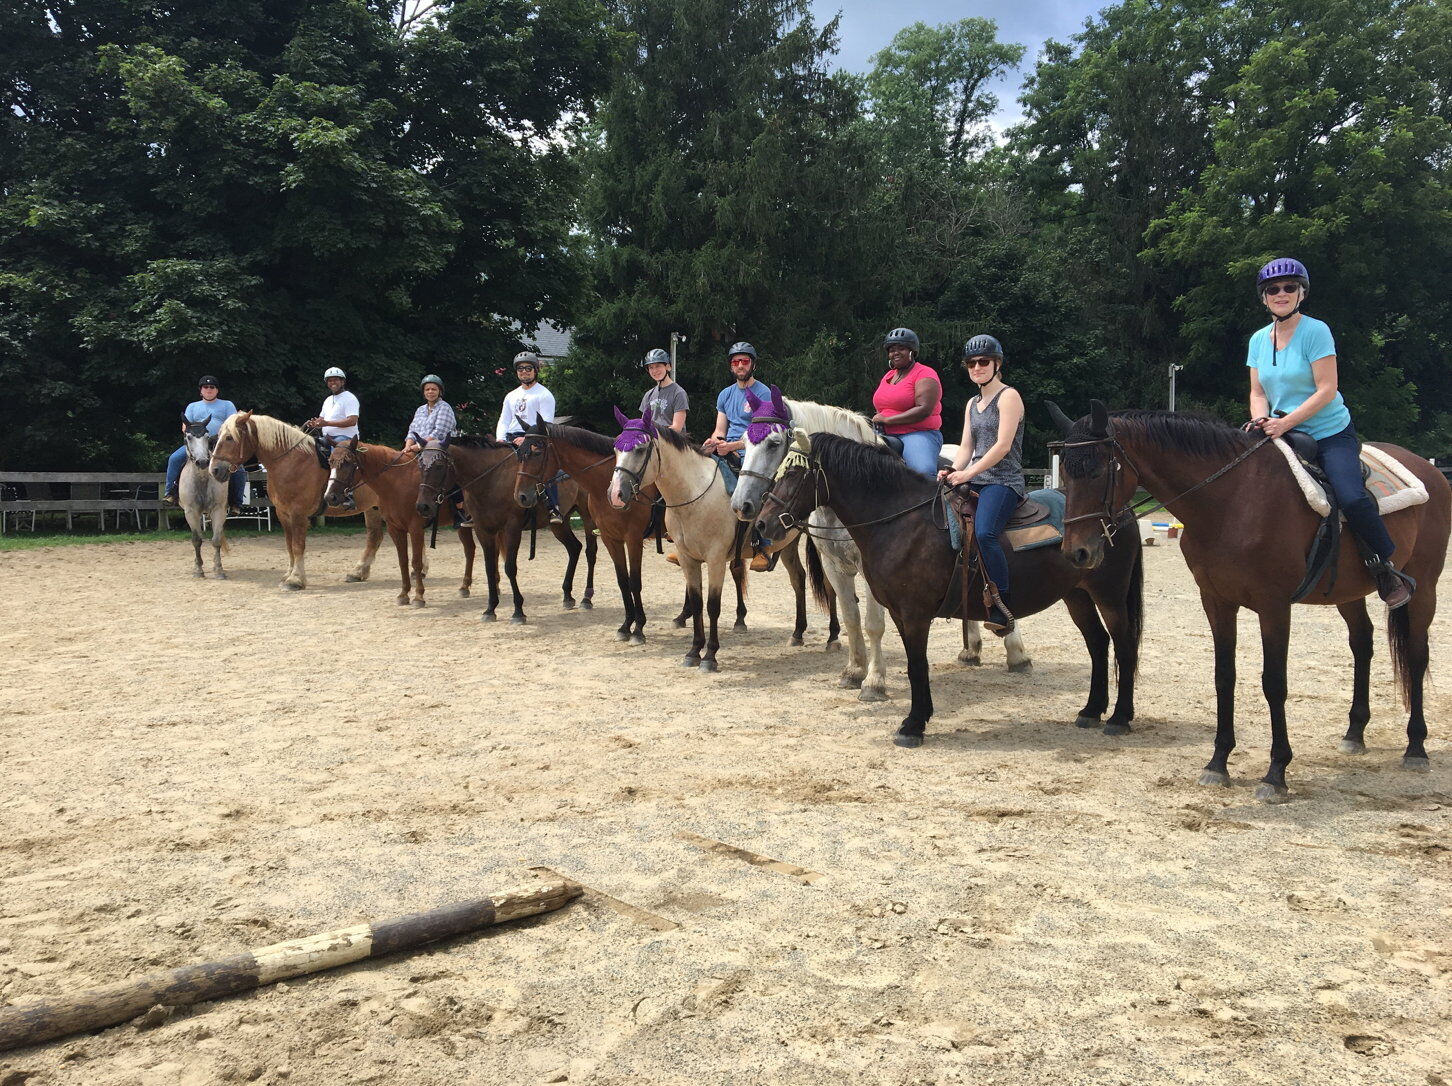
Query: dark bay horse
x,y
1247,532
393,477
484,468
895,517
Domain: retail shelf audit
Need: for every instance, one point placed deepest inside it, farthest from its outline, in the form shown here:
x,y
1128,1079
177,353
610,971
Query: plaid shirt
x,y
438,423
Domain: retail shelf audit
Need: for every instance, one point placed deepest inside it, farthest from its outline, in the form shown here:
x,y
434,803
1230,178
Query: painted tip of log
x,y
534,898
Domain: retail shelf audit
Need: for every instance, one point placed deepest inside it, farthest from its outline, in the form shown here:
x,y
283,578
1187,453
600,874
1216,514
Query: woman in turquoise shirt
x,y
1293,387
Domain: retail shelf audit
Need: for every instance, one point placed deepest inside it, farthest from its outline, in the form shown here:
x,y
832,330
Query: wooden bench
x,y
99,493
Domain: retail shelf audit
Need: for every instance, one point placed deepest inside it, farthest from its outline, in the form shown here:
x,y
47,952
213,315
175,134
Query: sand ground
x,y
190,768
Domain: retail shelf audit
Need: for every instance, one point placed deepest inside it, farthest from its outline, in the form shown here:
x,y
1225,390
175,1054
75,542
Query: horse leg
x,y
373,518
1359,634
511,570
1407,626
972,653
738,576
616,547
592,550
219,536
915,641
636,557
1096,640
874,682
692,569
1221,614
466,537
791,558
680,620
566,535
399,538
194,520
1275,642
841,580
295,530
713,610
491,572
1018,656
834,624
417,551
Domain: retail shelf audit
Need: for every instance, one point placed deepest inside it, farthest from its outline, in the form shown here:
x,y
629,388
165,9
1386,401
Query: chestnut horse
x,y
393,476
1247,532
295,483
481,467
896,518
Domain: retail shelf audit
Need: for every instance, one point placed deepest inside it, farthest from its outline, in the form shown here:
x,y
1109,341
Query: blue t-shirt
x,y
213,414
732,404
1290,382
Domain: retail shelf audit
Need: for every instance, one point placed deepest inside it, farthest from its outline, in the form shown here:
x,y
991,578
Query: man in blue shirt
x,y
213,412
732,419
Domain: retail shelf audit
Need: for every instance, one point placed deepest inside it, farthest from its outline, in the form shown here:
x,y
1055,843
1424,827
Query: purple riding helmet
x,y
1283,267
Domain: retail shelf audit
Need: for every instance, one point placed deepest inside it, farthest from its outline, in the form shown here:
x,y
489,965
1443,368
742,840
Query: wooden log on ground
x,y
100,1007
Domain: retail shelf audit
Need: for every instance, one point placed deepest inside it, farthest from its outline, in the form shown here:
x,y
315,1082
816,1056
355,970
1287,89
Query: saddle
x,y
324,448
1038,521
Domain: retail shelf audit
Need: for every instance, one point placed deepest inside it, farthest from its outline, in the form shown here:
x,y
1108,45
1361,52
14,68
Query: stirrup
x,y
1393,586
999,619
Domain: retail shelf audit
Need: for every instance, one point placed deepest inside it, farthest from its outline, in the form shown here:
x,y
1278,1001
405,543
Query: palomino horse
x,y
393,476
698,515
1247,531
295,482
896,518
480,466
550,450
201,495
768,440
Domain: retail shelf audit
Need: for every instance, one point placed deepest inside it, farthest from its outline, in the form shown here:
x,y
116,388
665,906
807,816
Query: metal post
x,y
676,337
1174,369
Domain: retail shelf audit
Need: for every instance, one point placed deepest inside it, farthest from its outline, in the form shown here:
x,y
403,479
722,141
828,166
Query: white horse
x,y
201,495
698,516
766,449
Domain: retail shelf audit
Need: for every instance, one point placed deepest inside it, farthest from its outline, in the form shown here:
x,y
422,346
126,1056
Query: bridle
x,y
637,478
812,470
352,459
772,421
538,444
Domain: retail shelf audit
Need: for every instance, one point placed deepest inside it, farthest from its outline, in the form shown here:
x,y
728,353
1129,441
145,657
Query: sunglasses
x,y
1280,288
974,362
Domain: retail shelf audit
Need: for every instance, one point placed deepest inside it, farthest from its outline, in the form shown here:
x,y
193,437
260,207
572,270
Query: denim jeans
x,y
178,460
1341,460
920,451
996,504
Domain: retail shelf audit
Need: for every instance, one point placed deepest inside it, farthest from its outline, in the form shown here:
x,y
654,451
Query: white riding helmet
x,y
334,371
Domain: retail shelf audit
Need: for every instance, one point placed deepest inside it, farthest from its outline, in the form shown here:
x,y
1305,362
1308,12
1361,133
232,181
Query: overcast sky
x,y
868,25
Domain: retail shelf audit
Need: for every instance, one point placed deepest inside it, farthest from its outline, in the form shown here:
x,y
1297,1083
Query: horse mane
x,y
1188,432
676,440
273,435
815,417
588,440
478,441
874,468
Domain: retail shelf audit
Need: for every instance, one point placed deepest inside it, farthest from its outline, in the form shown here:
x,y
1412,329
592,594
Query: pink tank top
x,y
894,399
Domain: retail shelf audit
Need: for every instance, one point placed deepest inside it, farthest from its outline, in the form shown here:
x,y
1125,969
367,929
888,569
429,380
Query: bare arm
x,y
926,394
1010,414
718,435
1259,401
678,422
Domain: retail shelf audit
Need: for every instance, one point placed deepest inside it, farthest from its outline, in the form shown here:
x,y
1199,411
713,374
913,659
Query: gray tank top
x,y
983,425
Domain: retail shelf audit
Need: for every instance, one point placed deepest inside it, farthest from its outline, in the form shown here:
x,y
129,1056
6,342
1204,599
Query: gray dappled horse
x,y
201,495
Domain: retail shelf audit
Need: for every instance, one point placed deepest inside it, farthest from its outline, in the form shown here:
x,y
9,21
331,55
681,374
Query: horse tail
x,y
816,574
1134,600
1399,635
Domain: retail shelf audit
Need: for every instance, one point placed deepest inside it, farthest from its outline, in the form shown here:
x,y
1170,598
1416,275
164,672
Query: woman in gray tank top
x,y
990,459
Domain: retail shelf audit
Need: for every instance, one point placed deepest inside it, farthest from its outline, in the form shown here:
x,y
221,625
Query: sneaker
x,y
464,521
760,564
672,559
170,498
555,517
234,510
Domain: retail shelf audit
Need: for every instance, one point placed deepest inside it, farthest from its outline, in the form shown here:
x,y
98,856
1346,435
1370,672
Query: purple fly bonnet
x,y
767,417
633,432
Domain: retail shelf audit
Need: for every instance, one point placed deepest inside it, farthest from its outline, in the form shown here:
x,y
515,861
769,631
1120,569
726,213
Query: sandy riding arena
x,y
775,893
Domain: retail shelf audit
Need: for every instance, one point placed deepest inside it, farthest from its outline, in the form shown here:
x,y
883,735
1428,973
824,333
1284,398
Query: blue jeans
x,y
996,504
178,460
920,451
1341,460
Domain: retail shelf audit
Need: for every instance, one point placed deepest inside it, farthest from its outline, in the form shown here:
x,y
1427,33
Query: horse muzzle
x,y
1086,555
221,472
527,498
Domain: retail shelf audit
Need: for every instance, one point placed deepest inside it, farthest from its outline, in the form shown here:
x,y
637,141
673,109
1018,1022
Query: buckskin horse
x,y
295,483
480,467
393,476
1247,532
896,518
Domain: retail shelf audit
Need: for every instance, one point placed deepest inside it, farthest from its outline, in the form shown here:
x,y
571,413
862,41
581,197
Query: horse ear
x,y
620,417
802,440
752,402
1099,419
649,420
778,402
1061,420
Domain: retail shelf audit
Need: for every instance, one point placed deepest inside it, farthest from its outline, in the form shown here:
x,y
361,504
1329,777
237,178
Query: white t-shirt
x,y
337,408
523,407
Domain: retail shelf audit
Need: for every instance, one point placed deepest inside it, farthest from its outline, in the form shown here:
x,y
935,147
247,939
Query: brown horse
x,y
1247,532
481,466
295,483
394,477
896,518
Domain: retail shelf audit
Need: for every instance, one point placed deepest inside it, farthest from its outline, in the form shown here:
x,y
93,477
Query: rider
x,y
1292,365
213,412
908,402
338,418
434,421
991,457
732,419
523,407
667,403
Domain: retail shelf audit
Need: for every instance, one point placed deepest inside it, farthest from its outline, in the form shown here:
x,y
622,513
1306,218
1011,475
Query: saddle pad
x,y
1393,486
1040,533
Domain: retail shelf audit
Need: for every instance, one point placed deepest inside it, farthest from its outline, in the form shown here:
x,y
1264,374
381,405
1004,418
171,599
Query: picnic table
x,y
120,494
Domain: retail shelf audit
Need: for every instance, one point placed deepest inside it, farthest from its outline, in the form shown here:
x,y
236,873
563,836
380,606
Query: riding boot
x,y
765,559
170,497
1393,586
999,619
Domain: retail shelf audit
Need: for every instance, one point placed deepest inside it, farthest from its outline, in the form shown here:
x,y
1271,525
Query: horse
x,y
896,518
768,440
477,465
201,495
1247,532
550,450
394,477
295,483
698,516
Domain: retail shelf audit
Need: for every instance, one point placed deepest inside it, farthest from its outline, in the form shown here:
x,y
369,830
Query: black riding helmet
x,y
905,337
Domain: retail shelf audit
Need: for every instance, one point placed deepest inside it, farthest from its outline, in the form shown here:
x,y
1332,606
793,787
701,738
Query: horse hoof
x,y
709,665
1214,776
516,620
1023,667
678,623
1086,721
1272,793
1116,729
351,578
849,682
832,646
219,576
199,575
586,605
796,642
872,693
402,601
464,592
972,661
637,639
291,587
690,661
1416,765
569,604
908,739
622,635
739,625
1351,746
419,603
488,616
